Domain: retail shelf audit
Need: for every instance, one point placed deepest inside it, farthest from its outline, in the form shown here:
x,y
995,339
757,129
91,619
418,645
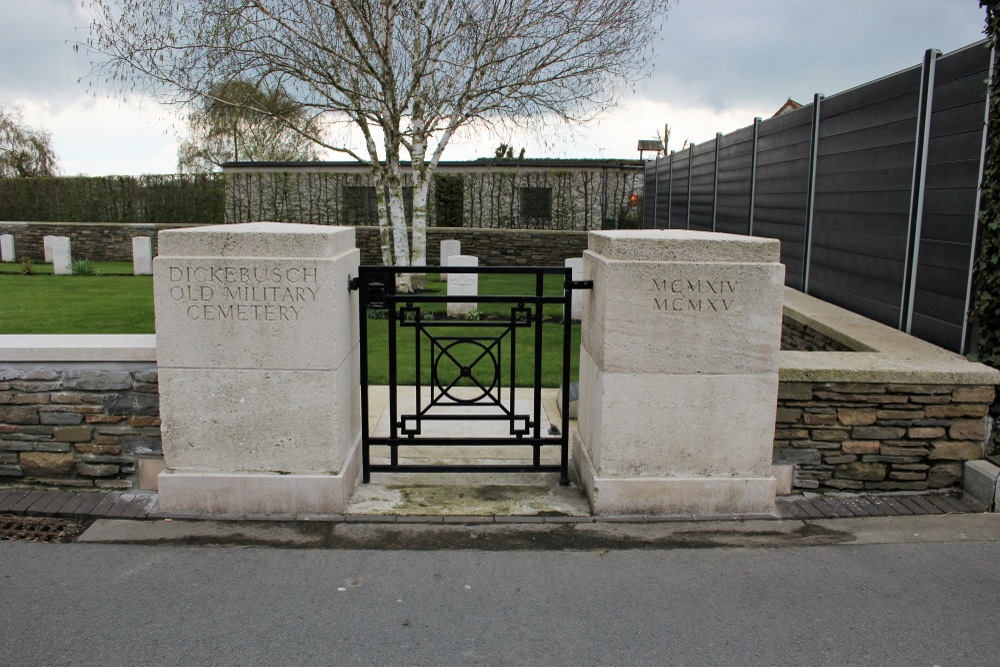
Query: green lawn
x,y
113,301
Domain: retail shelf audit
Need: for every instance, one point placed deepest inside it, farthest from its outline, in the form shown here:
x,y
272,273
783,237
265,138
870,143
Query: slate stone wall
x,y
493,247
100,242
79,425
879,437
802,337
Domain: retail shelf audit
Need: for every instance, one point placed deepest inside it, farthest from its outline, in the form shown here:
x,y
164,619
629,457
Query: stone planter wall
x,y
802,337
879,437
79,425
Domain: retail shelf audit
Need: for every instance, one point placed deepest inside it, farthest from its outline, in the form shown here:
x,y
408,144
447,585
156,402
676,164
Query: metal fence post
x,y
967,335
915,222
670,188
687,221
811,196
753,171
715,180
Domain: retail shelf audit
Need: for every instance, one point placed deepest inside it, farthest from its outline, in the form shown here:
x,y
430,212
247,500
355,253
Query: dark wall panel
x,y
649,195
679,191
702,186
782,186
947,226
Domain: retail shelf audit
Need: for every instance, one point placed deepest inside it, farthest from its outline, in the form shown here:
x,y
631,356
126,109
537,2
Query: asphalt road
x,y
847,604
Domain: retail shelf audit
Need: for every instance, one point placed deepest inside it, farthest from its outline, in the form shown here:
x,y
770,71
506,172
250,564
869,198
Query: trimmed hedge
x,y
153,199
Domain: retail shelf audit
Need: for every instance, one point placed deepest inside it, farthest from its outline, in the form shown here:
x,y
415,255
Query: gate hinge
x,y
580,284
353,284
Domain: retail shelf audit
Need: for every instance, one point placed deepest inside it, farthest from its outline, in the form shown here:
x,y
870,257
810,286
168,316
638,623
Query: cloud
x,y
97,136
38,59
732,53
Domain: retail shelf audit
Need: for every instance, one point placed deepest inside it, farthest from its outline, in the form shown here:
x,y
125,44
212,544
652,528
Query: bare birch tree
x,y
407,74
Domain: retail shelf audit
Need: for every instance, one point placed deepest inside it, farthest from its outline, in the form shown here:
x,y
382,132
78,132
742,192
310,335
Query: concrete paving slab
x,y
298,534
444,494
908,529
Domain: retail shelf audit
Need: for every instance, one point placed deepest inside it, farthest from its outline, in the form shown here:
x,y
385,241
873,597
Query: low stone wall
x,y
69,422
493,247
895,414
892,414
879,436
98,242
798,336
102,242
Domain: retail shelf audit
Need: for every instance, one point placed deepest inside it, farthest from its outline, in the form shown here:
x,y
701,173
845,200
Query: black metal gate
x,y
464,367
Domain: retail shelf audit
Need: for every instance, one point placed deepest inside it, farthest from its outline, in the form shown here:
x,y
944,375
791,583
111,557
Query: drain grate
x,y
39,529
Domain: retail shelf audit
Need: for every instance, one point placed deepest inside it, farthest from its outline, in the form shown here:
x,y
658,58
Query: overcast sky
x,y
718,64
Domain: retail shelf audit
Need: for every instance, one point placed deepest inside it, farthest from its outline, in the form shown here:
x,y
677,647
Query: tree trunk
x,y
418,249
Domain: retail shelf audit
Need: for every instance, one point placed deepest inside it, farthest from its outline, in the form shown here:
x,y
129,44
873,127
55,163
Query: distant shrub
x,y
27,268
83,267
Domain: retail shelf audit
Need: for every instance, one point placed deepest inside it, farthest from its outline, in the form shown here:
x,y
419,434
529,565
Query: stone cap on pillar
x,y
682,245
251,239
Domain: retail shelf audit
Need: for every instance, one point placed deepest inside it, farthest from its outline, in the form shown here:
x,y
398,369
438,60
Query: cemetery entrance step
x,y
473,495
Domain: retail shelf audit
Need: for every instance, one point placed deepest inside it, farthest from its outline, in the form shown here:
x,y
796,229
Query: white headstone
x,y
7,248
679,372
142,256
462,284
576,307
258,354
62,259
47,248
449,248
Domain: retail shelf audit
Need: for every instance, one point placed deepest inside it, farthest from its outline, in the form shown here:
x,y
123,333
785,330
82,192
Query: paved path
x,y
141,505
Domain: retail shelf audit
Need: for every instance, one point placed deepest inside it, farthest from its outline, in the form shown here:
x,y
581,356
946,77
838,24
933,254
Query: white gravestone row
x,y
576,306
142,256
462,284
449,248
6,247
62,258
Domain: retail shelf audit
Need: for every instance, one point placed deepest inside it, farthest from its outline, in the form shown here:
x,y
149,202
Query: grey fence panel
x,y
649,195
732,206
947,230
870,132
702,186
782,183
679,190
875,204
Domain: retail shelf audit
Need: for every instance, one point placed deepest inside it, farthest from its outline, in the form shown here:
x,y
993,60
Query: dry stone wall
x,y
879,437
77,426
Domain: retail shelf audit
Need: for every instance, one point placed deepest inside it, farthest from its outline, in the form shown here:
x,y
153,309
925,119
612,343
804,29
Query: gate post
x,y
679,373
257,348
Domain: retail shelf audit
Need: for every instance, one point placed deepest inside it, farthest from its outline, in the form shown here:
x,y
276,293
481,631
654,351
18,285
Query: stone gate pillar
x,y
257,348
679,372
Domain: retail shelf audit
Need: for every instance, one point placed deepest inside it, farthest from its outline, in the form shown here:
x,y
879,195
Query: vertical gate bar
x,y
564,408
363,339
539,292
512,371
715,181
915,221
966,341
417,331
753,170
393,387
811,194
